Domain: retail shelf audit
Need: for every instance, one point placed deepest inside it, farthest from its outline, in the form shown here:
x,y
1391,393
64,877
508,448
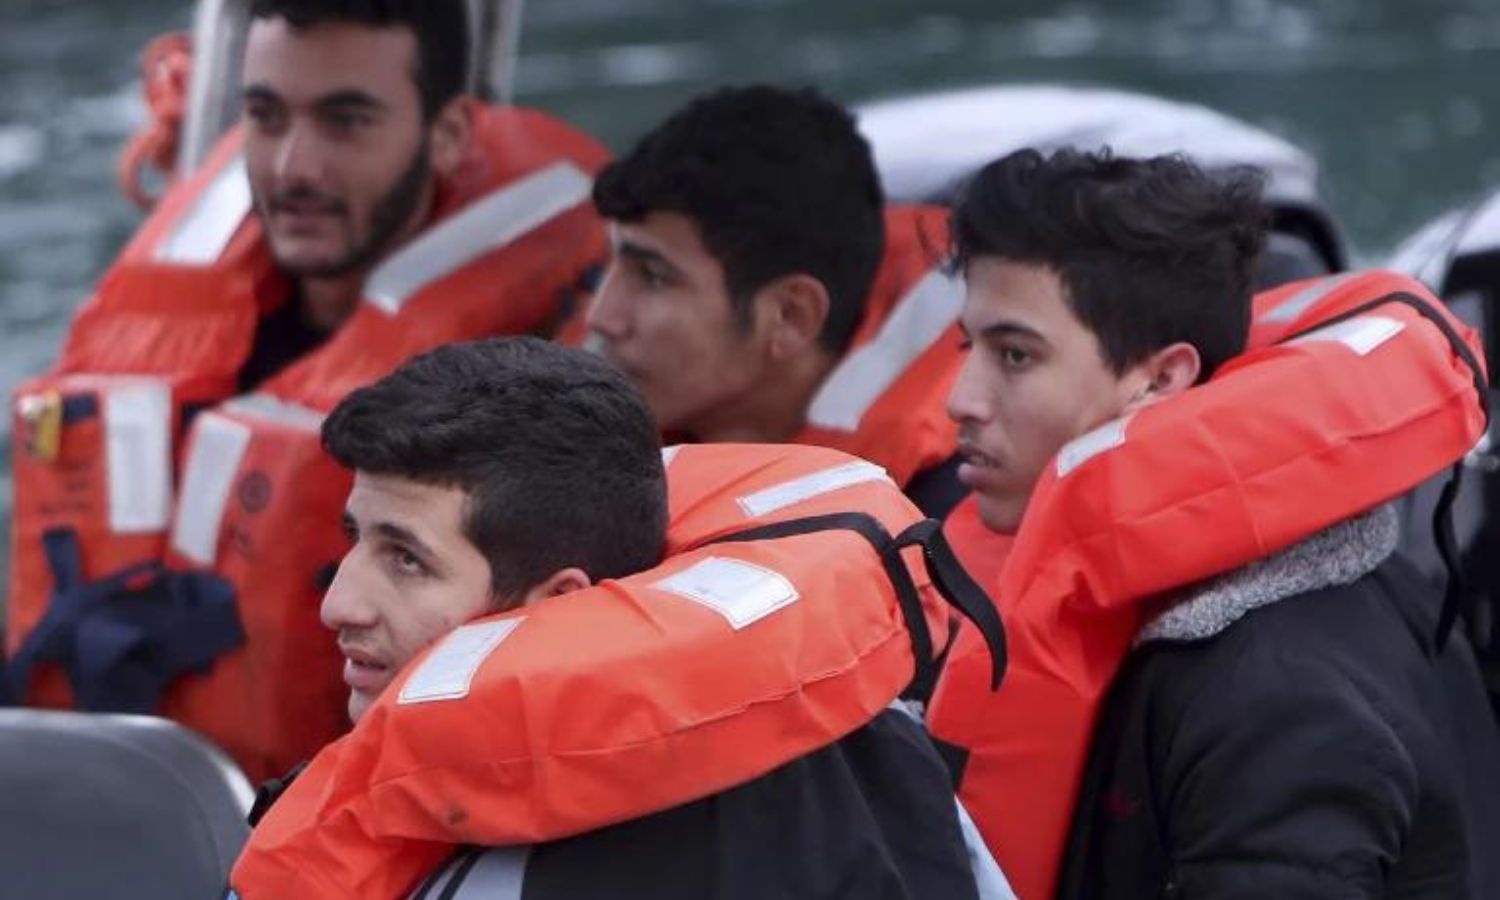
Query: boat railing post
x,y
219,28
497,46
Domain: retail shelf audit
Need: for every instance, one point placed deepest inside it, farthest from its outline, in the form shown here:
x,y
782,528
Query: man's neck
x,y
327,302
773,410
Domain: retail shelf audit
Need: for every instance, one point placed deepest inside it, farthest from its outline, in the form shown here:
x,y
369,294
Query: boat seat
x,y
110,806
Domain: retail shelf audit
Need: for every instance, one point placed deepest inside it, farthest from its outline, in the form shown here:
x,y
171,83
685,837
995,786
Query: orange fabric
x,y
278,698
981,551
907,429
1284,441
613,702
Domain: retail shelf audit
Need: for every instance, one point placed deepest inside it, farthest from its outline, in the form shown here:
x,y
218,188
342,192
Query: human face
x,y
664,317
336,147
1034,379
411,577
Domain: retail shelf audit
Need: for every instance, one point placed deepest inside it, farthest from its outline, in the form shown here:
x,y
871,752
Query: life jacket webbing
x,y
1456,598
948,577
122,638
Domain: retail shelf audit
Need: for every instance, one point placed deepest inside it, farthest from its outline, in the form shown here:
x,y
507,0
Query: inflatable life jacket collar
x,y
948,576
1456,597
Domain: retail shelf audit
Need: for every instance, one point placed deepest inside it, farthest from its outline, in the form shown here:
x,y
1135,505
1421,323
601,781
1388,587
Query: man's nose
x,y
968,398
607,316
346,603
299,156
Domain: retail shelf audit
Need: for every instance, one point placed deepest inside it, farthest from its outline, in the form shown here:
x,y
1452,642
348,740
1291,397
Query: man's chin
x,y
358,704
297,260
1000,514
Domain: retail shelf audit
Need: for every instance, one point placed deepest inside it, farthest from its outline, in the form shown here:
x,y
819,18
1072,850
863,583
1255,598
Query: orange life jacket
x,y
139,475
784,617
886,399
1355,389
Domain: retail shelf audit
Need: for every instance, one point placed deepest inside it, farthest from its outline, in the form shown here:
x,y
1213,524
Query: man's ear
x,y
1167,373
792,310
449,135
563,581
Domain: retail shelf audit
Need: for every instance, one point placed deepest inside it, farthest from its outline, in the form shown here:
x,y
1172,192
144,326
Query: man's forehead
x,y
417,505
307,63
998,291
664,232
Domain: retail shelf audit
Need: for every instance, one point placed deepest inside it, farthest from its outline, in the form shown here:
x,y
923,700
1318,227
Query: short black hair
x,y
778,181
441,28
1149,251
556,450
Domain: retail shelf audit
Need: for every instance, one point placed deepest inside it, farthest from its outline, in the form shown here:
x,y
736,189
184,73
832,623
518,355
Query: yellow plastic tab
x,y
41,423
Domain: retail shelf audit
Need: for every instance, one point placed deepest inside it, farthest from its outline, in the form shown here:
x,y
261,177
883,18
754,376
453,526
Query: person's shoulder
x,y
1342,645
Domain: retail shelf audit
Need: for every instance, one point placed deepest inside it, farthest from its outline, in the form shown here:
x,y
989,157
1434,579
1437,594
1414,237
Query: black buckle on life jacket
x,y
948,576
1456,598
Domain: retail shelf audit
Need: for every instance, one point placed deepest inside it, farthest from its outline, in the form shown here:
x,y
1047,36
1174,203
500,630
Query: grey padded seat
x,y
97,807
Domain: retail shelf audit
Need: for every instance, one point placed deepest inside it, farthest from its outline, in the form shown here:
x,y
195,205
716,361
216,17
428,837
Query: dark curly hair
x,y
777,182
556,450
441,28
1150,252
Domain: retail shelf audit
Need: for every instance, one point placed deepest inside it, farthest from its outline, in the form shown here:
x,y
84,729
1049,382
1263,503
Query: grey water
x,y
1398,99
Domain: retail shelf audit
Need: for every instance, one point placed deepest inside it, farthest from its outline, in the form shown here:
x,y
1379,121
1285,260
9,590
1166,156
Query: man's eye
x,y
263,116
407,563
1014,358
654,278
347,121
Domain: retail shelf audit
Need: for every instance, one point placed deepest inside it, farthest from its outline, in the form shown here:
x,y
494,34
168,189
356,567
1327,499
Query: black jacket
x,y
870,817
1290,730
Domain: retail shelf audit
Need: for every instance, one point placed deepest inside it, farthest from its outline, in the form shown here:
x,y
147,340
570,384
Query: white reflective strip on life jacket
x,y
219,444
484,226
1085,447
200,236
918,320
449,669
268,408
1303,300
1362,334
827,481
138,454
741,592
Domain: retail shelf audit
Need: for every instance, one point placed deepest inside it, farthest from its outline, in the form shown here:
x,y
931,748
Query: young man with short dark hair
x,y
495,477
759,290
1211,645
297,264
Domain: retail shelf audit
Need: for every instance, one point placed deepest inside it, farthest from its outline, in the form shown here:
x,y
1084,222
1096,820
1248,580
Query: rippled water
x,y
1398,99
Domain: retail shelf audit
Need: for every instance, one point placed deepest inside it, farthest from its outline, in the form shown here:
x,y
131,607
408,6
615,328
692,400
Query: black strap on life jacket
x,y
948,576
1456,599
123,638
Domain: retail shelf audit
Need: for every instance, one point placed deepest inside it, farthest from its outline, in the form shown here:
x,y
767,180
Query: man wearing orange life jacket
x,y
1219,675
646,721
174,512
759,290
